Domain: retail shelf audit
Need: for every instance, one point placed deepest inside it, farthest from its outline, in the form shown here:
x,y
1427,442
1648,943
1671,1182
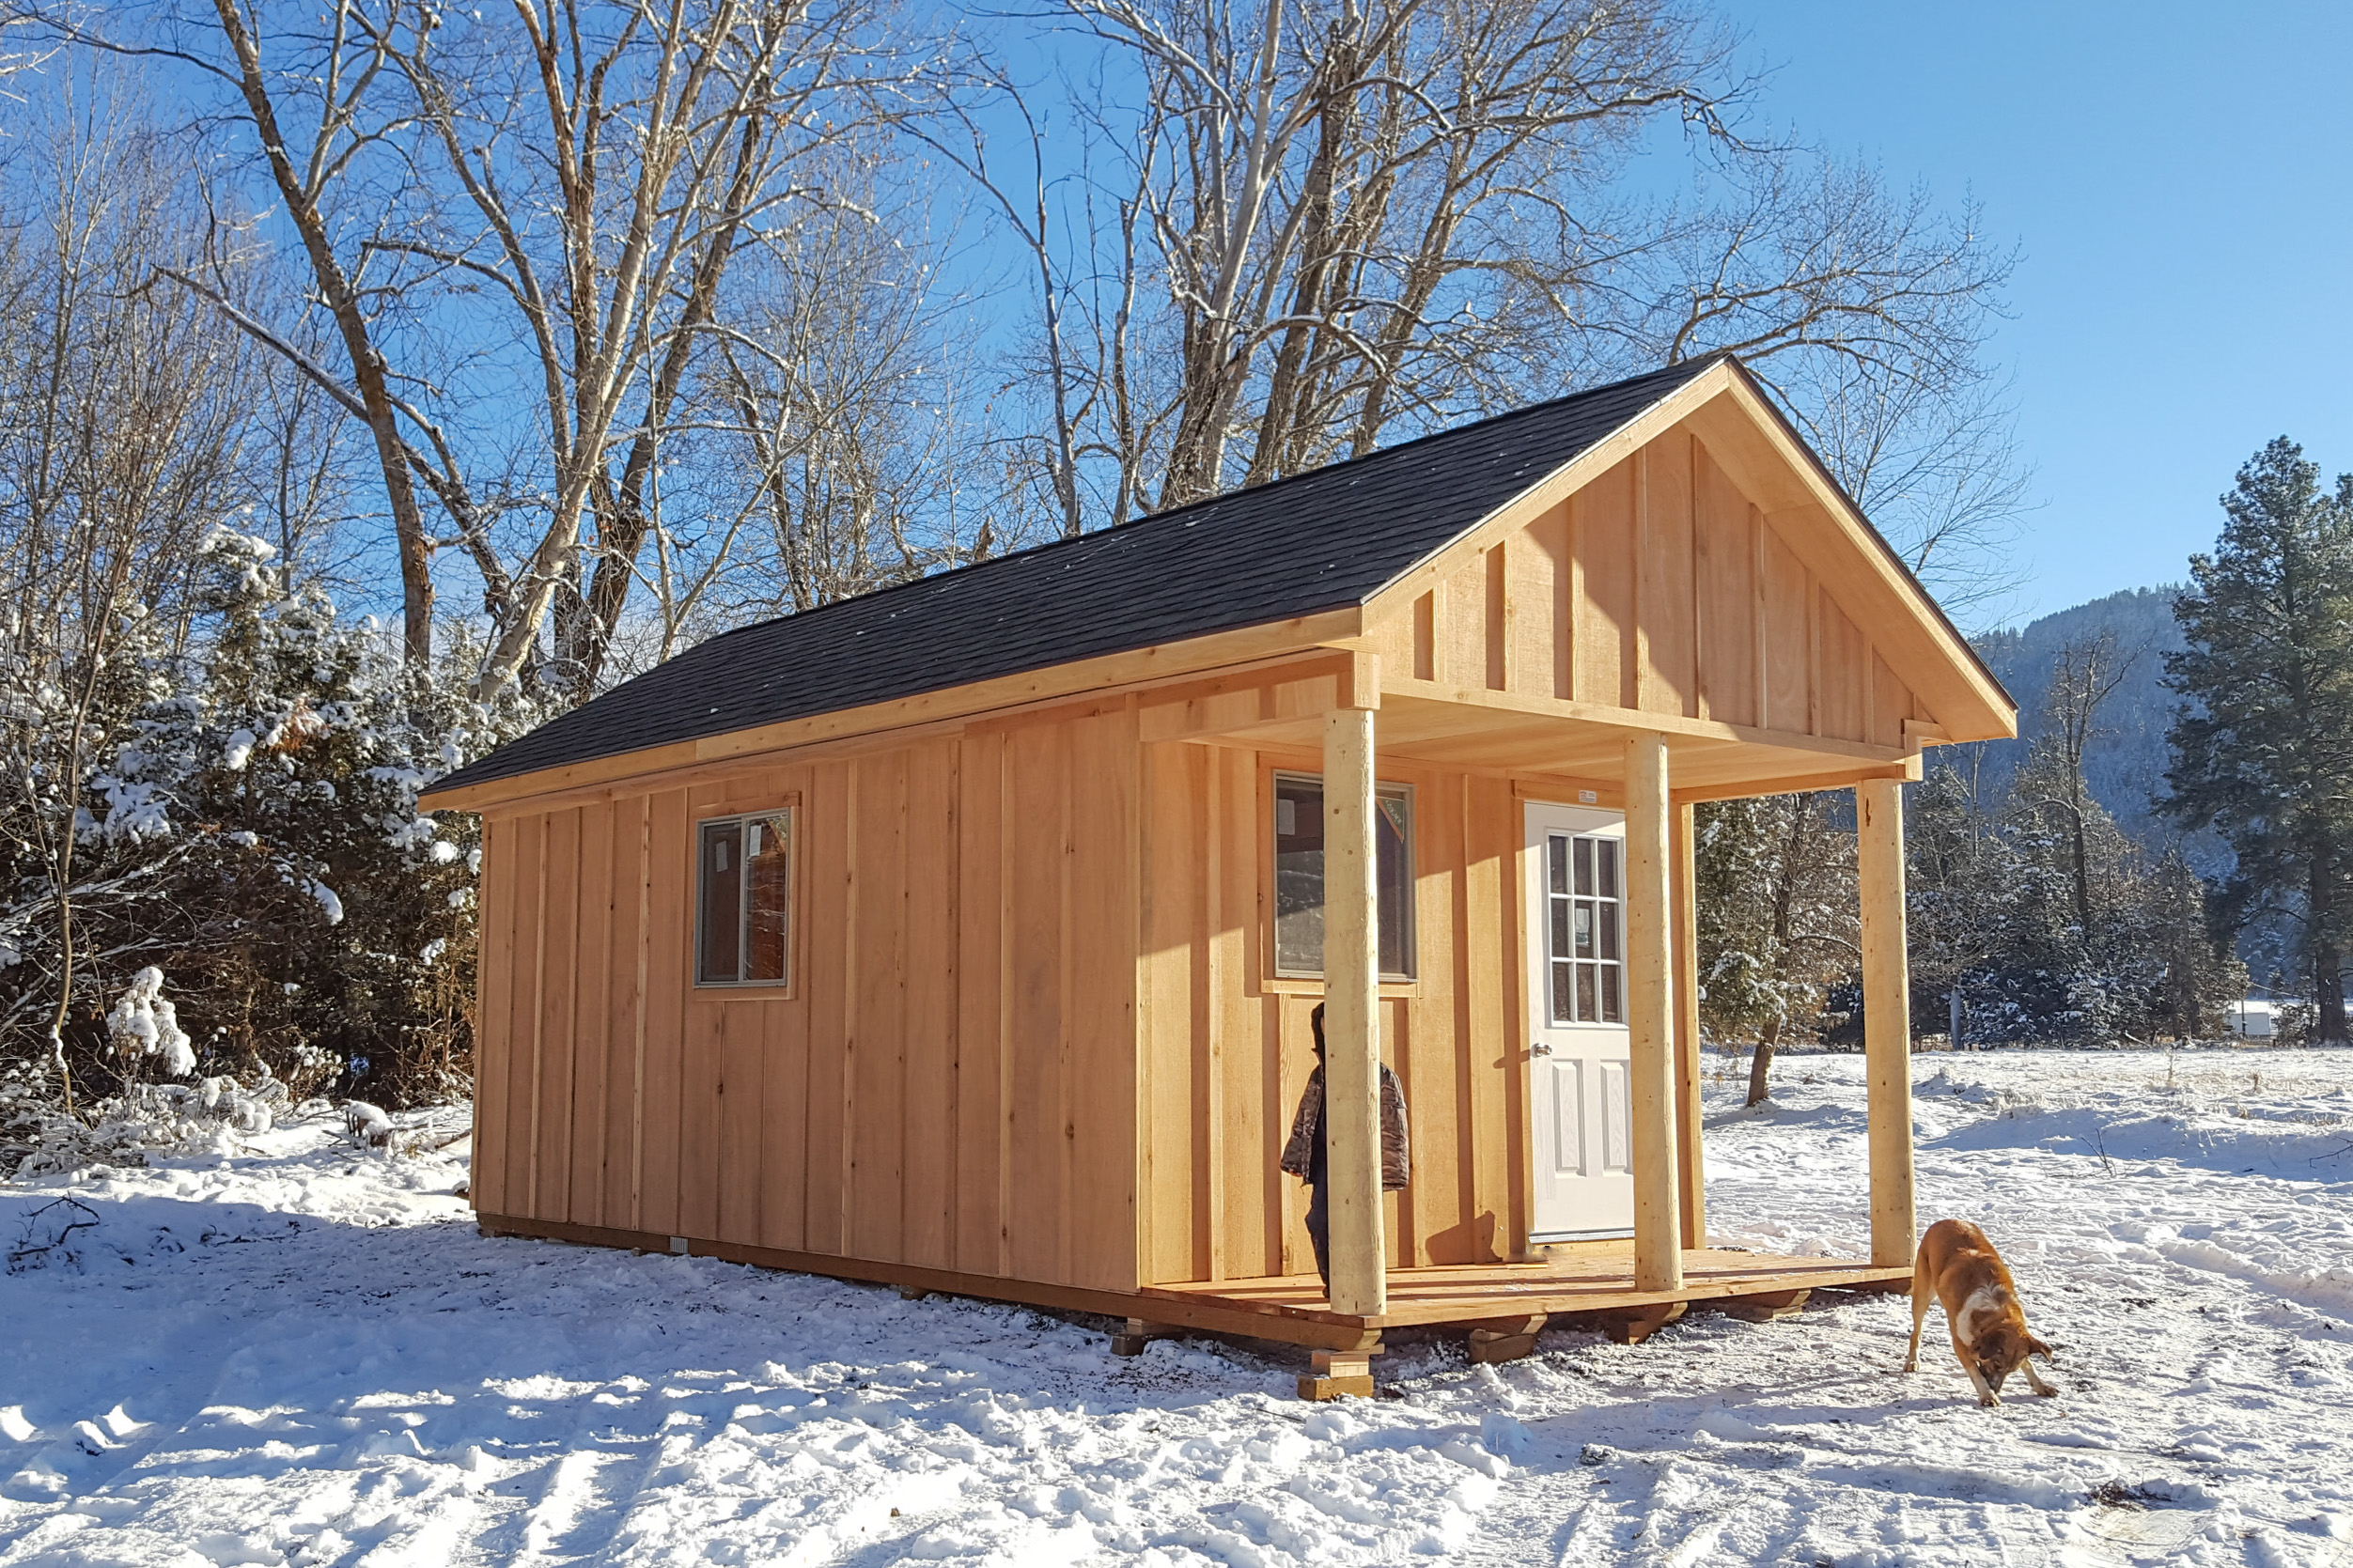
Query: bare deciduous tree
x,y
659,142
129,426
1361,212
525,196
1311,225
2086,673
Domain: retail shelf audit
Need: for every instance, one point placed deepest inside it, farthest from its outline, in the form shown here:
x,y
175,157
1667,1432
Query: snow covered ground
x,y
303,1354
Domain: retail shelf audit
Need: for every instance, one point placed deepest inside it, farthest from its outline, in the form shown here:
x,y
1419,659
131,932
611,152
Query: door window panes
x,y
1584,925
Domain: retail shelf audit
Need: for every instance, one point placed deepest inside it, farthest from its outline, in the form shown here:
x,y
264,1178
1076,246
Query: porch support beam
x,y
1650,1015
1690,1168
1351,1023
1885,1018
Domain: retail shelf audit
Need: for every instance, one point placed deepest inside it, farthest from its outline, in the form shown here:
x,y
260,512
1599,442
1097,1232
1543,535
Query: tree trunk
x,y
1761,1064
368,369
2328,960
2078,805
2328,997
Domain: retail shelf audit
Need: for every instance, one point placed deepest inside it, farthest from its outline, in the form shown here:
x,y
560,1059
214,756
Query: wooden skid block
x,y
1488,1347
1768,1306
1131,1339
1633,1325
1505,1339
1339,1372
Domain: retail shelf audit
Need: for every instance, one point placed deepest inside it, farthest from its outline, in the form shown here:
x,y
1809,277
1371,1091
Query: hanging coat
x,y
1397,1160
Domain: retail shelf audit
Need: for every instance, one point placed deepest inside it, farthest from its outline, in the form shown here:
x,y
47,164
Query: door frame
x,y
1535,964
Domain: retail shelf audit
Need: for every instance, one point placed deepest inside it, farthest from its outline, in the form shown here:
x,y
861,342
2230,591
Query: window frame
x,y
783,989
1394,788
1609,932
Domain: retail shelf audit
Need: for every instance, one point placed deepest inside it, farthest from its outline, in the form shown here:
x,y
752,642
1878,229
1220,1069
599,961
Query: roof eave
x,y
1106,674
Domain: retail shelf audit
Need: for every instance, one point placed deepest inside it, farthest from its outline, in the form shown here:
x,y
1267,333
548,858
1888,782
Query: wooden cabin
x,y
963,936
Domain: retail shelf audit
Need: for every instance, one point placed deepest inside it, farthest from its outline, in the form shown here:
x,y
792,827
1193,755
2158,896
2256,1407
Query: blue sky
x,y
2181,181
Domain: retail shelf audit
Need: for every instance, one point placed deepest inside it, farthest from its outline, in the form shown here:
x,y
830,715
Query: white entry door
x,y
1578,1041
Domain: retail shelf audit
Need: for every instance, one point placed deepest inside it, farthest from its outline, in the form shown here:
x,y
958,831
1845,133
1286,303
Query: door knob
x,y
1539,1049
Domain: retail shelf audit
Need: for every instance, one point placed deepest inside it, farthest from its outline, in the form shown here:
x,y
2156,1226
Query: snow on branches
x,y
245,818
146,1023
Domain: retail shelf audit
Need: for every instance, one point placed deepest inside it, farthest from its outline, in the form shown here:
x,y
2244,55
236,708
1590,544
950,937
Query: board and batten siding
x,y
1227,1047
949,1080
1659,588
1033,1032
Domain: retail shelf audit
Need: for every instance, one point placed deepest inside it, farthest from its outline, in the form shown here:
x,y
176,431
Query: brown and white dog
x,y
1959,1266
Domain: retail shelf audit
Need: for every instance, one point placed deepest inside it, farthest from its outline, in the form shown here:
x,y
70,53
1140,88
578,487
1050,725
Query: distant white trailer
x,y
2254,1020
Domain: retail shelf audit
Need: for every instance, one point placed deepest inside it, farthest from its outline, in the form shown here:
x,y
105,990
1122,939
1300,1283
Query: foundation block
x,y
1339,1372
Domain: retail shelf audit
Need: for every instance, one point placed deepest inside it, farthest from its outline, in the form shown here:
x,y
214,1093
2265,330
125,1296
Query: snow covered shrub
x,y
146,1021
366,1123
151,1119
247,823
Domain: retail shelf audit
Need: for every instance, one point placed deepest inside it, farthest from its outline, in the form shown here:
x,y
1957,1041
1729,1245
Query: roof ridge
x,y
1687,367
1255,556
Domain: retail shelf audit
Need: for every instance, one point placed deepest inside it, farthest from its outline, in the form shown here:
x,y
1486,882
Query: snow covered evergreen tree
x,y
2263,749
251,836
1778,921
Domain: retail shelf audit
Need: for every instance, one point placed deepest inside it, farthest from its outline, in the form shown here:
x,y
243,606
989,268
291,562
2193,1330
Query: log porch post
x,y
1886,1016
1360,1282
1650,1015
1691,1168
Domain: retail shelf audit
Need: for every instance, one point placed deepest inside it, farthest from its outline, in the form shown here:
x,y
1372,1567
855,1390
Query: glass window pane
x,y
1584,929
768,844
1392,877
1611,1012
1584,865
1298,892
1564,992
1584,992
720,870
1607,915
1608,849
1556,848
1299,877
1560,927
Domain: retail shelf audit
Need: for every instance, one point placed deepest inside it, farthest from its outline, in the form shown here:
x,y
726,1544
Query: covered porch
x,y
1513,1301
1354,709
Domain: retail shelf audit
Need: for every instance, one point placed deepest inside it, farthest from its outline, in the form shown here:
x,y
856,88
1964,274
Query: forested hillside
x,y
2126,759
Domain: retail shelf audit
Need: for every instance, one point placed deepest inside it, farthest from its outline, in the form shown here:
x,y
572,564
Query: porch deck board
x,y
1583,1281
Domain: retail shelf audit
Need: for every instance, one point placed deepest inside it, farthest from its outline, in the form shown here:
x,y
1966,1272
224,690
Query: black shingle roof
x,y
1317,542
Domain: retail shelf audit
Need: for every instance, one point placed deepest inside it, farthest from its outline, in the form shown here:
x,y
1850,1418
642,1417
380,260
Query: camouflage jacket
x,y
1397,1160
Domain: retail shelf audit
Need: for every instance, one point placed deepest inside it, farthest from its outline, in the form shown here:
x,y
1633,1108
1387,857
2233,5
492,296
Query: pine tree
x,y
1775,878
2263,748
2200,973
251,837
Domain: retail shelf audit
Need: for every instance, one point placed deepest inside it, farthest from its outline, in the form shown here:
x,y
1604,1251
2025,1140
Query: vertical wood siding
x,y
1029,1030
1659,588
1225,1050
949,1080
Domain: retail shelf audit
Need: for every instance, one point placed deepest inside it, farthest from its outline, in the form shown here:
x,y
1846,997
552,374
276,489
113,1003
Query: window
x,y
1586,909
1299,876
743,899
